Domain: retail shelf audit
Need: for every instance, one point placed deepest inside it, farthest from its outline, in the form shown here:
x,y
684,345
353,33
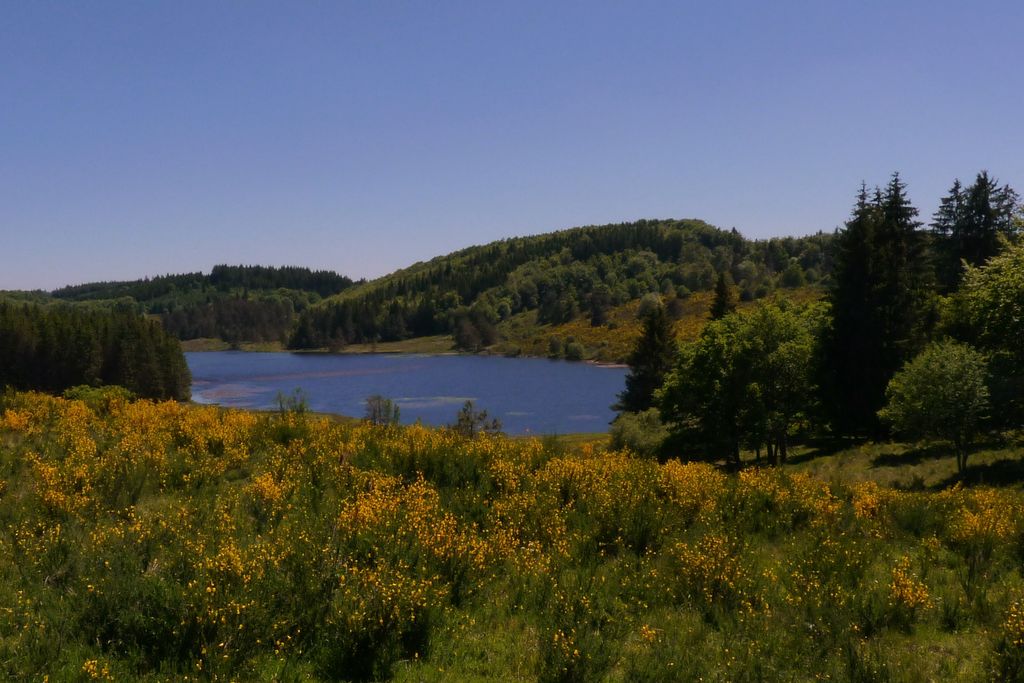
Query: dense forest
x,y
562,275
233,303
53,348
903,343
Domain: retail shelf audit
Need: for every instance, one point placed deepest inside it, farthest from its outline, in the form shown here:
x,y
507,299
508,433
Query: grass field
x,y
160,541
207,344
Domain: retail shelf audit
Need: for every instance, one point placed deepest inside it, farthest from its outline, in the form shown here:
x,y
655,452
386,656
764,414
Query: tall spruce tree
x,y
946,222
724,302
969,226
880,299
651,360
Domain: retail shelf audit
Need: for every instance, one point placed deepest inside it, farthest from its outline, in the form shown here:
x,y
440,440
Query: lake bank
x,y
439,345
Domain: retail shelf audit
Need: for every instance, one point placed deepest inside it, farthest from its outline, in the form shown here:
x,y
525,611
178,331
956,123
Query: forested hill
x,y
54,348
561,276
233,303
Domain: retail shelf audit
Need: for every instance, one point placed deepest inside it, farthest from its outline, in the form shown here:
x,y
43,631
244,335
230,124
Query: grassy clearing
x,y
912,466
437,344
207,344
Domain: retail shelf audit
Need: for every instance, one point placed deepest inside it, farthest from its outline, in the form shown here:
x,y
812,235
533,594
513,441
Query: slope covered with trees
x,y
233,303
886,349
53,348
581,273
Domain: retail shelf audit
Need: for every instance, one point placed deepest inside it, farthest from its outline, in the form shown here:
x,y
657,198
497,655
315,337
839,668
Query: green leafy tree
x,y
778,347
988,312
650,361
745,381
941,393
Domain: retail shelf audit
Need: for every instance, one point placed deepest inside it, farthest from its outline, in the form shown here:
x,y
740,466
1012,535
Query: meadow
x,y
160,541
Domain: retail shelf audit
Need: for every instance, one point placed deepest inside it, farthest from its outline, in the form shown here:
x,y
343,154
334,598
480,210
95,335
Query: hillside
x,y
612,342
506,292
232,303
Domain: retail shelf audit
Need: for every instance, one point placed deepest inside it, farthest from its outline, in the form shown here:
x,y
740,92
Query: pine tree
x,y
651,360
725,297
880,304
988,214
969,226
946,222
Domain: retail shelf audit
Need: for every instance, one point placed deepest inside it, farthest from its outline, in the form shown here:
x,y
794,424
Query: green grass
x,y
208,344
437,344
908,465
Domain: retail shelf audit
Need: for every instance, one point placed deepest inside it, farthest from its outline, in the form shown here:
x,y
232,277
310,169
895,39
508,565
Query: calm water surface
x,y
528,395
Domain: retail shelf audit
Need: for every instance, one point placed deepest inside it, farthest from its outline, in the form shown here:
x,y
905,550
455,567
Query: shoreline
x,y
427,346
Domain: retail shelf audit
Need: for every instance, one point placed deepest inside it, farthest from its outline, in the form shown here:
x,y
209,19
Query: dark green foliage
x,y
941,393
969,226
641,433
793,276
474,327
560,276
725,297
882,306
222,278
233,303
574,351
650,361
554,347
988,312
52,348
746,381
600,303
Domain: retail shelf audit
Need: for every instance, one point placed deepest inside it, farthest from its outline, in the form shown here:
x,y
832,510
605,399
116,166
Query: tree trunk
x,y
961,456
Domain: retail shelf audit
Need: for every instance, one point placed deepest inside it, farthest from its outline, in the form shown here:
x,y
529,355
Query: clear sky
x,y
141,138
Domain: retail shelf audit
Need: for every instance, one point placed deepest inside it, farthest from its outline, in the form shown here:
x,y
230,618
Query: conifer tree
x,y
725,297
880,301
651,360
969,225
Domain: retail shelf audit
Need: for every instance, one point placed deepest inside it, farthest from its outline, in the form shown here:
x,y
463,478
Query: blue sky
x,y
144,138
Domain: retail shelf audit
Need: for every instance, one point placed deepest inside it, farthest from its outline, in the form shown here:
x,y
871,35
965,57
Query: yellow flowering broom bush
x,y
165,542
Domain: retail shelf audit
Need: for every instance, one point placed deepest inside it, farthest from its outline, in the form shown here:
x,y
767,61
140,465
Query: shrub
x,y
640,433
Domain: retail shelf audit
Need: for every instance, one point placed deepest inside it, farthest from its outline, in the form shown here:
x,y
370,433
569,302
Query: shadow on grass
x,y
820,448
913,456
1006,472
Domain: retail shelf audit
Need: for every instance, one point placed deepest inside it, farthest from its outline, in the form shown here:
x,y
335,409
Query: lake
x,y
528,395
